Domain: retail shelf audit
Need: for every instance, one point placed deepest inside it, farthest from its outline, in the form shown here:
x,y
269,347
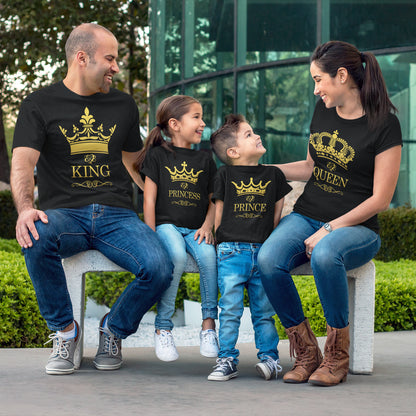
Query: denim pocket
x,y
225,251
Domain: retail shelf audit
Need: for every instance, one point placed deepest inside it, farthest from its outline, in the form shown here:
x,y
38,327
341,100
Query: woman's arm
x,y
298,171
149,203
386,173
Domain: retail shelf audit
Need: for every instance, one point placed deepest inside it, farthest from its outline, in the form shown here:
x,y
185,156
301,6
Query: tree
x,y
32,48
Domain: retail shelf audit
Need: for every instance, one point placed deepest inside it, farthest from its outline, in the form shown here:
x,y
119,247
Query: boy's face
x,y
249,147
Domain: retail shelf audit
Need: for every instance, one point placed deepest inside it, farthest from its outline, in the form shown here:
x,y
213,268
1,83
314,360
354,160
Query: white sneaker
x,y
165,346
209,343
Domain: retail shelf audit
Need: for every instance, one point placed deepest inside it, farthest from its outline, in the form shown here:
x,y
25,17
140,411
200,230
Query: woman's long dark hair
x,y
172,107
364,70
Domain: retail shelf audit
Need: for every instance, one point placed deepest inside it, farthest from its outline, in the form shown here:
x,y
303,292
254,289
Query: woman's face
x,y
328,88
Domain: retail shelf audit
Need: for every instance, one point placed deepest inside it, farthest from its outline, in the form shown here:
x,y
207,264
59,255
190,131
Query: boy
x,y
249,200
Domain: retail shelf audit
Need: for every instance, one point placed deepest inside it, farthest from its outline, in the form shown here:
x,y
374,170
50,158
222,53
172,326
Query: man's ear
x,y
82,58
233,153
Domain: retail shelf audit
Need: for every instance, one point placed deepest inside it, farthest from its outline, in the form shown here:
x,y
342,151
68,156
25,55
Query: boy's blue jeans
x,y
341,250
237,269
120,235
178,241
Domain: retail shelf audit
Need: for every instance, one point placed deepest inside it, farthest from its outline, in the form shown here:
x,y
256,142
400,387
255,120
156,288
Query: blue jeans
x,y
120,235
341,250
178,241
237,269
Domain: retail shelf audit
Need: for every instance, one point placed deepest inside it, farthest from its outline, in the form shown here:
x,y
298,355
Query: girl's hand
x,y
204,234
313,240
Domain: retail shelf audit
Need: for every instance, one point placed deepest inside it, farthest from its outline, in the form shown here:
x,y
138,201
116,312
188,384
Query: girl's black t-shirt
x,y
249,194
344,153
184,179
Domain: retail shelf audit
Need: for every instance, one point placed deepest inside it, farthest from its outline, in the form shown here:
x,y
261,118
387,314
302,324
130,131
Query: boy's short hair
x,y
226,137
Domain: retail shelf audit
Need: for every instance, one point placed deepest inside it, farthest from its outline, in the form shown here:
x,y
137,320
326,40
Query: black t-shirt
x,y
344,154
249,194
80,139
184,179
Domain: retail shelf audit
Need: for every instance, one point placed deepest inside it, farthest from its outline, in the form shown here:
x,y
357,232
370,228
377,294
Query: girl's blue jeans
x,y
341,250
178,241
119,234
237,269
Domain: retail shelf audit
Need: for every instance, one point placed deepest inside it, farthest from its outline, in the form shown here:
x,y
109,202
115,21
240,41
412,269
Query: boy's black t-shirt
x,y
344,154
80,140
249,194
184,179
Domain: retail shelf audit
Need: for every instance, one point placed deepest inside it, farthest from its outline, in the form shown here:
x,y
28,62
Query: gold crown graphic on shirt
x,y
86,139
332,147
251,188
184,175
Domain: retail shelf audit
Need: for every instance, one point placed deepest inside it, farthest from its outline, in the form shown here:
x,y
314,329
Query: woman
x,y
351,171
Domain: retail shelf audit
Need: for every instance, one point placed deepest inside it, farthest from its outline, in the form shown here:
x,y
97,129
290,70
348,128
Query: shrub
x,y
398,234
21,324
8,215
10,246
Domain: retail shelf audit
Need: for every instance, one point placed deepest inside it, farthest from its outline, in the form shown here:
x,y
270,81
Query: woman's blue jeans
x,y
341,250
178,241
119,234
237,269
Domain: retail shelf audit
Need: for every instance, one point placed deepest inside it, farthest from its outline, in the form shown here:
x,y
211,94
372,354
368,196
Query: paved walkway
x,y
147,386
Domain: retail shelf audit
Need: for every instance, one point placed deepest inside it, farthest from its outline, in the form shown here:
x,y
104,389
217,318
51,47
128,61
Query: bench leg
x,y
76,287
361,304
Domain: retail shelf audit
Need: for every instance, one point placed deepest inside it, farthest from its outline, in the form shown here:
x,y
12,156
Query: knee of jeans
x,y
322,258
265,263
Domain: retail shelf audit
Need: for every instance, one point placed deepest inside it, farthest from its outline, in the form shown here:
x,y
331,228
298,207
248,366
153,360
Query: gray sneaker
x,y
61,360
108,355
269,368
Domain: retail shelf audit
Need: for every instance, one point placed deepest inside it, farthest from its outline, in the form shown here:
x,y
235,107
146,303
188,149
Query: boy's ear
x,y
233,153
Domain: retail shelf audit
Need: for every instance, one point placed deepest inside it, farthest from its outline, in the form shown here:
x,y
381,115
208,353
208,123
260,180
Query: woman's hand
x,y
313,240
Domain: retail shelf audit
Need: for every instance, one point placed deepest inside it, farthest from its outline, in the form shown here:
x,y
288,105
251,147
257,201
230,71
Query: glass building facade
x,y
252,57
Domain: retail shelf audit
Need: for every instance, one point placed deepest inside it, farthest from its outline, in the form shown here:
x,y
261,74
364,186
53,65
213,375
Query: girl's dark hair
x,y
364,70
172,107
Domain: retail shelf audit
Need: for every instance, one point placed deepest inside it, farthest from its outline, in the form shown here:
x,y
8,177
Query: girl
x,y
177,205
351,171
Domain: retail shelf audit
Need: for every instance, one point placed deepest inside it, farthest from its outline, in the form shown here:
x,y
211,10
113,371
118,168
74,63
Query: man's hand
x,y
26,223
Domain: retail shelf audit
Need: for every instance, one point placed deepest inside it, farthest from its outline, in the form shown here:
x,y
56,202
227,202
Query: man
x,y
83,136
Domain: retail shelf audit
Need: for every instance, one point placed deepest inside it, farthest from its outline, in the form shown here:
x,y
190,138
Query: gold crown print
x,y
251,188
85,138
183,175
333,148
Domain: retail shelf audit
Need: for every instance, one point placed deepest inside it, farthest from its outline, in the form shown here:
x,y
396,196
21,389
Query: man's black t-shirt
x,y
184,179
249,194
344,154
80,140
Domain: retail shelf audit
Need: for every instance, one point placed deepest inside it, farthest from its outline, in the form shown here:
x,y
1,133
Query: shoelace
x,y
208,337
274,366
110,343
60,347
166,338
223,363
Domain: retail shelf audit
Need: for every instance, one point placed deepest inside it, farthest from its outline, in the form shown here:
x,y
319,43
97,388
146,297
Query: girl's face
x,y
328,88
189,128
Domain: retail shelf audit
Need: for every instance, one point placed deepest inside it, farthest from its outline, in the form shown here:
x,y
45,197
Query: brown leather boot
x,y
334,368
308,355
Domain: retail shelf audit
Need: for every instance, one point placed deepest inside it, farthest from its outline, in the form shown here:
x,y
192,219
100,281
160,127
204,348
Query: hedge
x,y
8,215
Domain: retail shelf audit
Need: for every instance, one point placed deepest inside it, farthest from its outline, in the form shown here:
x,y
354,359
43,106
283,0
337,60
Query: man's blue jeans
x,y
178,241
237,269
119,234
341,250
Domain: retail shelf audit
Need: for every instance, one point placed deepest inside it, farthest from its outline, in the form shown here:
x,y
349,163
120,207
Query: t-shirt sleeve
x,y
390,135
151,166
219,185
133,142
283,187
30,130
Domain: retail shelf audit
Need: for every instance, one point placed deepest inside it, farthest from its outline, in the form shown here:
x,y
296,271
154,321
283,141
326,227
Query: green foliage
x,y
10,246
8,215
21,324
398,234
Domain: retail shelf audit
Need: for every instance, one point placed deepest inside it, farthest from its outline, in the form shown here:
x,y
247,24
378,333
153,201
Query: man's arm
x,y
129,159
23,184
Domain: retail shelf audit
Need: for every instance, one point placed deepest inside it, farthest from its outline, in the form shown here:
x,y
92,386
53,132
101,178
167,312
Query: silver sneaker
x,y
108,355
269,368
61,360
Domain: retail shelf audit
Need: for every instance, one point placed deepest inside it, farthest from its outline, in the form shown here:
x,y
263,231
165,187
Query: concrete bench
x,y
361,285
